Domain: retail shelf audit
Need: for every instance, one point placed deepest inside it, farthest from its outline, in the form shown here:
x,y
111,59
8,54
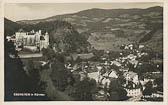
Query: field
x,y
113,45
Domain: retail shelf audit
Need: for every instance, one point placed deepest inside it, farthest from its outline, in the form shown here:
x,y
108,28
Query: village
x,y
104,52
108,69
124,67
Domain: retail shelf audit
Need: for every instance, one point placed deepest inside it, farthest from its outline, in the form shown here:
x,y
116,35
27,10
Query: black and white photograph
x,y
84,52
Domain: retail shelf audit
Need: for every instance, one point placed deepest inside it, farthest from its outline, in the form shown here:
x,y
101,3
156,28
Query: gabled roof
x,y
130,73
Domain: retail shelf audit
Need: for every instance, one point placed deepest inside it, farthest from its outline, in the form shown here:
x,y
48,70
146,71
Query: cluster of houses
x,y
132,46
113,69
30,40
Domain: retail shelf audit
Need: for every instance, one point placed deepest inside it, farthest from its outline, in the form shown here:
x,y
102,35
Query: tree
x,y
16,79
122,94
85,89
10,27
60,76
98,53
121,79
114,96
114,54
34,77
117,93
113,85
131,67
160,68
30,66
159,83
48,53
148,89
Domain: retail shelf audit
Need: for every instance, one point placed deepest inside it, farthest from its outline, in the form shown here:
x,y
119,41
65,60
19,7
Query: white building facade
x,y
32,39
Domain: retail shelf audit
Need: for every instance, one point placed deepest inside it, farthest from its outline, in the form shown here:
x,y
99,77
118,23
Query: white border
x,y
165,102
78,1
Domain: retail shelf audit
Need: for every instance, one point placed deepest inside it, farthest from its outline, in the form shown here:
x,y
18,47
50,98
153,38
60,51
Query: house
x,y
68,66
79,74
134,62
82,75
130,46
131,56
141,46
105,78
105,82
132,85
112,74
126,47
116,63
99,67
94,75
131,76
126,69
151,76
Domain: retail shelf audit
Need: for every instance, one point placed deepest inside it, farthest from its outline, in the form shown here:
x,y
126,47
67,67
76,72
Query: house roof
x,y
130,73
133,61
93,75
116,63
112,74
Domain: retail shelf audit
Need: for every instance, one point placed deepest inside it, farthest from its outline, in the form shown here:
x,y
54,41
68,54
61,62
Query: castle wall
x,y
19,37
37,38
30,39
42,44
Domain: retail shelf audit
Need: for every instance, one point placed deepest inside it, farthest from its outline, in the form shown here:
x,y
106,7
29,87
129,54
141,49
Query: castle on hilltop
x,y
31,39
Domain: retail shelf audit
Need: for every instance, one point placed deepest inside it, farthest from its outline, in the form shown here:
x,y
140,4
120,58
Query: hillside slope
x,y
63,37
109,28
10,27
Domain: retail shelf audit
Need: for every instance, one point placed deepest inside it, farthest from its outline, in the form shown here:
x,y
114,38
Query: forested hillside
x,y
106,29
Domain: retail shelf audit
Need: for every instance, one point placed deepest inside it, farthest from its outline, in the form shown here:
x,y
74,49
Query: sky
x,y
31,11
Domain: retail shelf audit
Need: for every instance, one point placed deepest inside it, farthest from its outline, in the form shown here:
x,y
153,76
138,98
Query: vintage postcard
x,y
84,51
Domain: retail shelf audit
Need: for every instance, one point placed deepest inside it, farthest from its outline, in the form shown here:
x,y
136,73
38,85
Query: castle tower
x,y
42,42
37,38
20,36
46,37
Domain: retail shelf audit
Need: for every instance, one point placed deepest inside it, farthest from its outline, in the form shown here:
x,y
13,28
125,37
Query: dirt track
x,y
30,55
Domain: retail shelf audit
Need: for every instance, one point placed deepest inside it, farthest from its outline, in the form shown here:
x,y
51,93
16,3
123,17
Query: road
x,y
30,55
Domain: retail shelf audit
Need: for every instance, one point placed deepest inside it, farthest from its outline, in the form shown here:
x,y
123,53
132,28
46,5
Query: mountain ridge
x,y
113,27
158,8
